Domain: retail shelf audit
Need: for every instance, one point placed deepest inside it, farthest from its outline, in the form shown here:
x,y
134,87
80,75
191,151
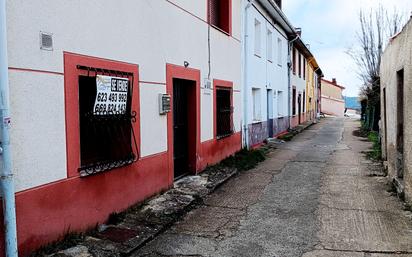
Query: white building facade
x,y
265,78
160,53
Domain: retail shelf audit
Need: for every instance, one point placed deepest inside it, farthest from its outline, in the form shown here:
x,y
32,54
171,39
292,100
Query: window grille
x,y
224,111
107,139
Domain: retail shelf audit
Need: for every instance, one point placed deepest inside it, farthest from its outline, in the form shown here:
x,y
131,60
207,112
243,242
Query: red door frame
x,y
71,76
226,84
180,72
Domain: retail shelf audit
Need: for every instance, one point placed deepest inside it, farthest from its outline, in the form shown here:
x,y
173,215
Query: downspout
x,y
6,174
290,80
245,90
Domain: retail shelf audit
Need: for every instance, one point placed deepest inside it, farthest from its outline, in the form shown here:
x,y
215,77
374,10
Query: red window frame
x,y
222,84
220,19
71,84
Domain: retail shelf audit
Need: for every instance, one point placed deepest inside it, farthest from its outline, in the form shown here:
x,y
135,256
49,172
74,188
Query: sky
x,y
330,26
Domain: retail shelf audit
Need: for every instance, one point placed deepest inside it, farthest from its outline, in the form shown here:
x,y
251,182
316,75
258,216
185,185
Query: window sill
x,y
256,121
224,136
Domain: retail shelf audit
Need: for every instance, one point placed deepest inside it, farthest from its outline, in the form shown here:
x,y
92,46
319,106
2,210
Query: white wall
x,y
150,33
262,73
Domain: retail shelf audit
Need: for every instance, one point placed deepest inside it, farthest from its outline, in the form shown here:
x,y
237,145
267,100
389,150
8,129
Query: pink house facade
x,y
332,102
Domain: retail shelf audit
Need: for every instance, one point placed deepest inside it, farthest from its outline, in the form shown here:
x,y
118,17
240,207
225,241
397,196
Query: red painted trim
x,y
152,82
72,104
77,204
186,11
282,133
254,147
213,151
37,71
180,72
226,84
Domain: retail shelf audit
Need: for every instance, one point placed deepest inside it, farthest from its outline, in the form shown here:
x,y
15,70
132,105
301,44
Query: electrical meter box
x,y
164,103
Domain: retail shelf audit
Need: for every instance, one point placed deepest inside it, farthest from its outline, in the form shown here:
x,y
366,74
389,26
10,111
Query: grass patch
x,y
245,159
376,151
286,137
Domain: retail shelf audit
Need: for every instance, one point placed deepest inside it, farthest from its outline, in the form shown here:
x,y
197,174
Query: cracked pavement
x,y
316,196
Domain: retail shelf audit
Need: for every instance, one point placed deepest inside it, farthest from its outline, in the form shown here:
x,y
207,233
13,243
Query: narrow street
x,y
316,196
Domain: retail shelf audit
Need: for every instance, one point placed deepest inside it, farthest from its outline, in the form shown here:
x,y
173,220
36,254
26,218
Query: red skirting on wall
x,y
46,213
215,150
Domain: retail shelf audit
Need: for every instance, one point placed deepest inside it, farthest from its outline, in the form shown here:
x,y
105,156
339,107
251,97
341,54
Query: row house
x,y
278,70
304,80
332,99
313,83
265,84
396,121
112,102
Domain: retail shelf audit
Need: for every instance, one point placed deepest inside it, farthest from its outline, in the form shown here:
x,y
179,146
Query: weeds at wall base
x,y
241,161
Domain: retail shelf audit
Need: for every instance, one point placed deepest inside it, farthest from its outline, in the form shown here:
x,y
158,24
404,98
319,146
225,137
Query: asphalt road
x,y
316,196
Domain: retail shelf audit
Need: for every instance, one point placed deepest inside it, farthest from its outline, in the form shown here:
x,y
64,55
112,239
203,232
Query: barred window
x,y
107,139
224,111
219,14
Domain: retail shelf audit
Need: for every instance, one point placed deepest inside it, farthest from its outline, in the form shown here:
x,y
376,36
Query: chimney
x,y
334,81
279,3
299,31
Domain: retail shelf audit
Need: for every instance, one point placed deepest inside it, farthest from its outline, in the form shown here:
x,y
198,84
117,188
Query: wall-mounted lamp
x,y
186,64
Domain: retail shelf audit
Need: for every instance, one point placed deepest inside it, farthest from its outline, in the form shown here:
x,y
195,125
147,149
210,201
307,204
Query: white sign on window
x,y
111,95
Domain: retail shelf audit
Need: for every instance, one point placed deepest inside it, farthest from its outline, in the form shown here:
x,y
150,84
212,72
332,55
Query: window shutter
x,y
214,12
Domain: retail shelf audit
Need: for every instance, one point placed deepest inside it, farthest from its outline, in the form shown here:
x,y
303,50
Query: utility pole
x,y
6,174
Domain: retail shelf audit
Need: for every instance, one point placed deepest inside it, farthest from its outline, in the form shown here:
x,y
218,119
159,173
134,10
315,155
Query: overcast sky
x,y
330,26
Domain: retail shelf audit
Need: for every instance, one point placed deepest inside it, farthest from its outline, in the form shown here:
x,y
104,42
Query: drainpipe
x,y
245,90
6,174
289,78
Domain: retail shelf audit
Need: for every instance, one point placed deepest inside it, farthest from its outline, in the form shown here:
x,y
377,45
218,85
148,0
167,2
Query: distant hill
x,y
352,103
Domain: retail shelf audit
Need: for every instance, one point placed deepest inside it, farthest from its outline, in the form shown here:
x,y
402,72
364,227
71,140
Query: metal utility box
x,y
164,103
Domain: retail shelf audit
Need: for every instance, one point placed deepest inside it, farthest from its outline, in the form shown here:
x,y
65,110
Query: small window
x,y
300,65
304,68
280,103
224,112
304,101
219,14
257,114
294,101
280,52
269,46
257,38
294,60
106,133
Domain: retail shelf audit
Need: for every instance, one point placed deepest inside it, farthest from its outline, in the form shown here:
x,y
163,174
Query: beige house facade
x,y
396,117
332,98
